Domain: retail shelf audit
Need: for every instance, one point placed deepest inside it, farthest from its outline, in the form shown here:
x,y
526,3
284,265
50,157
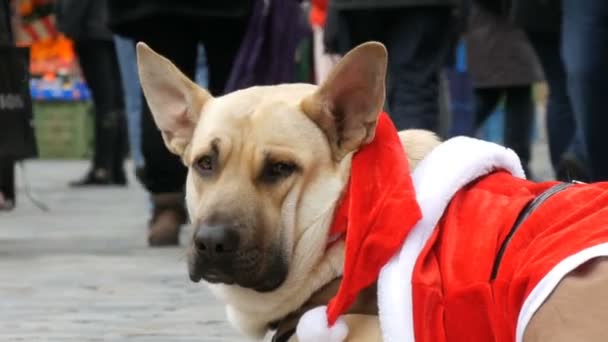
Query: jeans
x,y
564,133
202,72
420,40
585,54
519,116
127,60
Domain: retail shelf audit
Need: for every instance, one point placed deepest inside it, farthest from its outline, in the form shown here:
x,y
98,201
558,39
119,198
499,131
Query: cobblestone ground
x,y
83,272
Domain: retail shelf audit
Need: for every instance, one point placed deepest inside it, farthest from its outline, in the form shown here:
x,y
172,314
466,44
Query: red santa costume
x,y
471,268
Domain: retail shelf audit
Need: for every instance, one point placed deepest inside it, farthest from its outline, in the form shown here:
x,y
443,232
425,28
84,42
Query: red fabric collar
x,y
376,213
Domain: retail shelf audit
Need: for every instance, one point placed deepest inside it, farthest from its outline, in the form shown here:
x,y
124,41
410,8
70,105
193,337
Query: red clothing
x,y
437,285
318,12
453,297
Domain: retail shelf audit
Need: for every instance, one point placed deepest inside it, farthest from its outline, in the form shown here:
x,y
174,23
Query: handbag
x,y
268,52
17,139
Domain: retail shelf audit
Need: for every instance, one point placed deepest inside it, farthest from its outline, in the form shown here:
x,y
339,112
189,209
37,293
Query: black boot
x,y
97,176
120,150
108,154
7,184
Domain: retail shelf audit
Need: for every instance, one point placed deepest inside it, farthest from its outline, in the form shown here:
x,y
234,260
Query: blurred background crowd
x,y
485,68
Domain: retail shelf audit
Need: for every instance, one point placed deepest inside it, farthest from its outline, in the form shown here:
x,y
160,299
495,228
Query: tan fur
x,y
295,122
418,143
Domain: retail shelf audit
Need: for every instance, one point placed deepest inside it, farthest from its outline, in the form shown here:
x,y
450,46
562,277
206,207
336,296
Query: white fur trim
x,y
313,327
545,287
448,168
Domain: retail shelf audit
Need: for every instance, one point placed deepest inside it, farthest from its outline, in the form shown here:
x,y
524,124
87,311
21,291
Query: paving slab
x,y
82,271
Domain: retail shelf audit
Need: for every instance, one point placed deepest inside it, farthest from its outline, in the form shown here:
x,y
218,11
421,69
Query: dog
x,y
266,170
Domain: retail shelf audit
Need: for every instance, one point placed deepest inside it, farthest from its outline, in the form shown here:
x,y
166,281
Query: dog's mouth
x,y
211,276
247,270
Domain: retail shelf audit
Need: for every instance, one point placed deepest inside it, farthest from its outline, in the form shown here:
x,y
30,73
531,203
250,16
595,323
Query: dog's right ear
x,y
346,106
175,101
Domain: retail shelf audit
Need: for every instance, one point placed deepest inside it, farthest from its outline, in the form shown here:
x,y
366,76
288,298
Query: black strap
x,y
284,336
523,215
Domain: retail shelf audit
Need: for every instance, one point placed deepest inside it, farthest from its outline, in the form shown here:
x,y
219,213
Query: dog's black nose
x,y
216,242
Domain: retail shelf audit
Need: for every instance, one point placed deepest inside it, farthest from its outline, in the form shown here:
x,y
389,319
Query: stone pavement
x,y
83,272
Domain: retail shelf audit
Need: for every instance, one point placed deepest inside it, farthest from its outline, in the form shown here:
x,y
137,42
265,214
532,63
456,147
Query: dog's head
x,y
266,164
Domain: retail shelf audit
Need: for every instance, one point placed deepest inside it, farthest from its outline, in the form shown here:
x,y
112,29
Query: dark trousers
x,y
563,130
419,41
585,55
164,172
99,64
519,116
7,178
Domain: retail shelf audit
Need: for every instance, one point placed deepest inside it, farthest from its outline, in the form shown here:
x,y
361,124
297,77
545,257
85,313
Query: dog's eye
x,y
282,169
275,171
205,165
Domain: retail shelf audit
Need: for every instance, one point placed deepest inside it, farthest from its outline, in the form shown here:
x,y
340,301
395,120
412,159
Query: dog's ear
x,y
174,100
346,106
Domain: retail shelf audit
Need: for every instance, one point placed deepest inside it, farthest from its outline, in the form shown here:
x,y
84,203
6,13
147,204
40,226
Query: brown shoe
x,y
169,215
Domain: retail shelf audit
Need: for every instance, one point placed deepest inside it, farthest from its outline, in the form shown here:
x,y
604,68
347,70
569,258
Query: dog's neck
x,y
366,303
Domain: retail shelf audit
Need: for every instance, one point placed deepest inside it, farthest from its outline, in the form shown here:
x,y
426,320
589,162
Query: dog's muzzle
x,y
218,255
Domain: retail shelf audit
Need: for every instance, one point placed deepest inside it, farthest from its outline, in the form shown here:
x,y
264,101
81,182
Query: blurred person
x,y
567,150
17,139
578,32
420,35
7,184
175,29
584,49
84,21
565,137
7,164
323,62
125,52
127,60
503,65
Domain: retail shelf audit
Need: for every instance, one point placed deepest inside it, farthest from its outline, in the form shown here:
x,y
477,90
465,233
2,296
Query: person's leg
x,y
202,70
164,175
566,146
486,100
87,59
117,129
127,61
585,52
323,61
7,184
519,119
419,41
99,65
560,117
221,50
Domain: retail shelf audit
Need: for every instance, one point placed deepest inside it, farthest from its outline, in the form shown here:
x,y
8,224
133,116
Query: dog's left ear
x,y
346,106
174,100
